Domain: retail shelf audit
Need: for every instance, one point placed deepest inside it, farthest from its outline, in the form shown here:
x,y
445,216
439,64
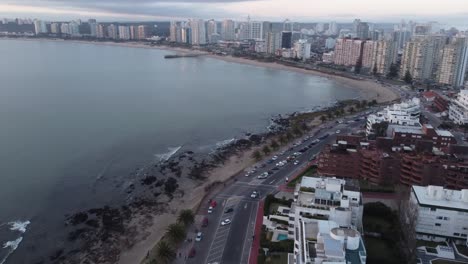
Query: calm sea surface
x,y
71,114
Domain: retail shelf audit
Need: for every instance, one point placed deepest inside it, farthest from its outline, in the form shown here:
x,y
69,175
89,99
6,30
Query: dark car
x,y
205,222
275,168
192,253
270,172
228,210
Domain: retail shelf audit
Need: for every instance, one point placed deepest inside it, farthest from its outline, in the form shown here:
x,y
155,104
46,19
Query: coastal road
x,y
232,243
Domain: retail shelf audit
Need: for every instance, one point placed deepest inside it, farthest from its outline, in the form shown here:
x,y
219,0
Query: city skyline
x,y
452,13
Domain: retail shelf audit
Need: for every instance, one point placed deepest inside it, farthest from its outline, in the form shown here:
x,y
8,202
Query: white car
x,y
338,131
225,222
274,158
199,236
210,209
263,175
296,162
254,194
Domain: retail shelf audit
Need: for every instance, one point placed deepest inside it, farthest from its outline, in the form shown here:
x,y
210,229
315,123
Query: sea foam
x,y
167,155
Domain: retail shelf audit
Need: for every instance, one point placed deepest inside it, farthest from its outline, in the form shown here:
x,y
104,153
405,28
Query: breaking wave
x,y
166,156
11,246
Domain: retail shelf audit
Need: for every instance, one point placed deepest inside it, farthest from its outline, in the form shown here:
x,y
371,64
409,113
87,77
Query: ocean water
x,y
76,119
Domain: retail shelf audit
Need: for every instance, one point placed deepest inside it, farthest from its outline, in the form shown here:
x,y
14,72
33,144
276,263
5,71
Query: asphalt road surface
x,y
232,243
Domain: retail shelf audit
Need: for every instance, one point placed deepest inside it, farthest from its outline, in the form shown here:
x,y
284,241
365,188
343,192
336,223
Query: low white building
x,y
458,109
328,57
442,214
404,114
323,221
302,49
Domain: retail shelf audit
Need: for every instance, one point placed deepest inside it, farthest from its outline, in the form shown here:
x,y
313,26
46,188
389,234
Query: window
x,y
437,224
439,218
446,218
433,209
456,234
463,235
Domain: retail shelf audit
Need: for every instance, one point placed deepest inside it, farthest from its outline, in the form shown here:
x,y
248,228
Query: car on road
x,y
287,179
270,161
338,131
263,175
254,194
275,168
204,222
274,157
313,157
229,210
270,172
199,236
210,209
226,222
296,162
324,136
192,253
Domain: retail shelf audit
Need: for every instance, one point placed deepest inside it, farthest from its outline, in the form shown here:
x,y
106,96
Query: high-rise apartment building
x,y
273,42
112,31
174,30
290,26
55,28
386,53
74,28
452,67
143,32
198,31
330,43
302,49
368,54
421,56
267,27
348,52
333,29
228,30
65,29
286,39
40,27
362,30
255,30
124,32
101,31
211,29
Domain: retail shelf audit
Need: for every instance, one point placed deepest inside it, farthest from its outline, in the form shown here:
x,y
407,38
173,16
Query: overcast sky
x,y
449,12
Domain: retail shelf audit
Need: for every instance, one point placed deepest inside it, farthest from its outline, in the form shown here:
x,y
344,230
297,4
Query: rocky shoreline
x,y
99,235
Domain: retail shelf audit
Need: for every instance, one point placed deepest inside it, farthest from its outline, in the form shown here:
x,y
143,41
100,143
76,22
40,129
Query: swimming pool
x,y
281,237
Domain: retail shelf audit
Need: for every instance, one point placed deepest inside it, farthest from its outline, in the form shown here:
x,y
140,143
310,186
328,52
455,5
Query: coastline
x,y
154,230
368,89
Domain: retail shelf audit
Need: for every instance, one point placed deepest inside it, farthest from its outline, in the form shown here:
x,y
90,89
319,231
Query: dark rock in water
x,y
57,254
96,211
92,223
72,236
112,219
156,194
248,134
256,139
159,182
170,185
190,158
148,180
78,218
189,152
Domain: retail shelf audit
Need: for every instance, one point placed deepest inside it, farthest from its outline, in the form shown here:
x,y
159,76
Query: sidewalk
x,y
258,229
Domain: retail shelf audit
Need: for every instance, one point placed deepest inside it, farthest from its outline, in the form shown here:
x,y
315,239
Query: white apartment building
x,y
302,49
330,43
368,54
260,46
228,30
386,53
442,214
328,57
124,32
55,28
255,29
273,42
40,27
458,109
198,31
405,114
323,221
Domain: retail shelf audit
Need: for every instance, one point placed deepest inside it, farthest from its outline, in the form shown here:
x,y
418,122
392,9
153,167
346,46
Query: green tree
x,y
165,252
323,118
257,155
266,150
274,144
283,139
380,129
351,110
408,78
393,71
374,70
186,217
175,233
330,114
289,135
337,113
297,131
364,103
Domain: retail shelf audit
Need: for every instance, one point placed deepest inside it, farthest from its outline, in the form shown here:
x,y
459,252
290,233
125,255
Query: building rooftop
x,y
440,197
443,133
405,129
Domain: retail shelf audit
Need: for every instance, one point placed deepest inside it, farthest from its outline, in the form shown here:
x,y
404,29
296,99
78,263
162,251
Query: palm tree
x,y
274,144
266,150
257,155
186,217
175,233
164,252
323,118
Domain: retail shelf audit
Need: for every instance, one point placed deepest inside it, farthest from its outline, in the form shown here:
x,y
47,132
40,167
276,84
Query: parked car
x,y
192,253
210,209
226,222
229,210
296,162
199,236
263,175
204,222
274,158
254,194
338,131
